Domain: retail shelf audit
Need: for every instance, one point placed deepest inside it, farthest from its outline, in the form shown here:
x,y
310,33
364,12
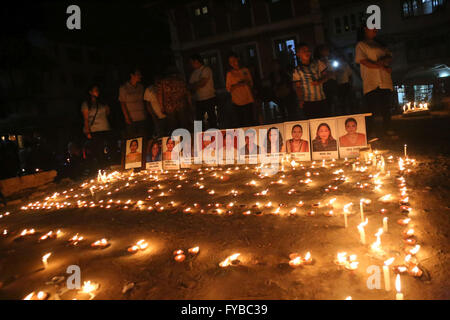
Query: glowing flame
x,y
89,287
45,258
194,250
228,261
388,262
414,250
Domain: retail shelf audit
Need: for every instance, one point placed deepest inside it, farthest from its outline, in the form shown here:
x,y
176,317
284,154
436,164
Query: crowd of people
x,y
309,87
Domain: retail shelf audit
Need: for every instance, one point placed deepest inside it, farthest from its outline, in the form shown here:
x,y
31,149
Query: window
x,y
202,20
285,52
423,93
199,11
412,8
401,95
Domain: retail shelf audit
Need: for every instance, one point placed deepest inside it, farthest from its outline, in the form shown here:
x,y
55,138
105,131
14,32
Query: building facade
x,y
259,31
418,34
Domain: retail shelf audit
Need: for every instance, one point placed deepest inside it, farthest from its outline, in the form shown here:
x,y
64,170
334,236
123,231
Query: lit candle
x,y
406,156
230,260
387,274
398,287
362,233
385,224
45,258
194,250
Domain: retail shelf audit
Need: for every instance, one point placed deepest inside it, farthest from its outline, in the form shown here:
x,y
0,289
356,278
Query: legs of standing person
x,y
244,114
385,108
372,100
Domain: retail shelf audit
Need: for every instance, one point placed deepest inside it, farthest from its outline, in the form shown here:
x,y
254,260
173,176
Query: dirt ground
x,y
264,239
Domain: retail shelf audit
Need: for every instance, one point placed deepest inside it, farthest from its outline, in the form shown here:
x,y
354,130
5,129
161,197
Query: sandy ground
x,y
264,239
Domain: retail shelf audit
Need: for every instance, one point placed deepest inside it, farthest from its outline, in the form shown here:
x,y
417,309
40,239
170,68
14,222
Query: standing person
x,y
375,60
201,83
344,89
308,83
155,109
282,91
239,84
96,125
175,100
131,97
329,86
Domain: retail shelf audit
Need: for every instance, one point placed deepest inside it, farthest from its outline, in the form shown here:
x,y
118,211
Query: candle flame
x,y
45,257
228,261
388,262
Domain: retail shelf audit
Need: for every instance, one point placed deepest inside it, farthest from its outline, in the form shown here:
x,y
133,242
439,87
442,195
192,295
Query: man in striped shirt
x,y
308,78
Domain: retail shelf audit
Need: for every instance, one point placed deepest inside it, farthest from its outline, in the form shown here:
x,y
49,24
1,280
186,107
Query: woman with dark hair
x,y
297,144
170,144
375,60
239,84
324,141
153,151
134,155
274,141
96,125
352,138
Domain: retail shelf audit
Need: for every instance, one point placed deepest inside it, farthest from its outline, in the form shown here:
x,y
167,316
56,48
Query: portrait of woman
x,y
324,141
134,155
154,151
274,141
170,144
297,144
352,138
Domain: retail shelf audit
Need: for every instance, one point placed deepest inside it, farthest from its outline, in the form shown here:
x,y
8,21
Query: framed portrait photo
x,y
153,155
133,153
297,140
352,135
323,139
171,158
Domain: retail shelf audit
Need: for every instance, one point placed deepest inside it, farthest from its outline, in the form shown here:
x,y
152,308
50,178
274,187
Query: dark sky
x,y
102,22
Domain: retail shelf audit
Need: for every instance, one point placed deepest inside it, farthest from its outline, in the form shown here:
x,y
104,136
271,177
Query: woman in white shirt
x,y
96,126
375,60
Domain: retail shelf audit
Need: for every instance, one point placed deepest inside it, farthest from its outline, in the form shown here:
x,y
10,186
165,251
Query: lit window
x,y
197,12
205,10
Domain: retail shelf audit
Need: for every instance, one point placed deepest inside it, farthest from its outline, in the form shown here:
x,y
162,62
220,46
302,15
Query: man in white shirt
x,y
374,60
202,85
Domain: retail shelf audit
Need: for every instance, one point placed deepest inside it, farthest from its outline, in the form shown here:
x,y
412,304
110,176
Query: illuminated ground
x,y
264,239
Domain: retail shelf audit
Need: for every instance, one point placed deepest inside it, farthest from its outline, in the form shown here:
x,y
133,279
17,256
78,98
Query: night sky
x,y
103,24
